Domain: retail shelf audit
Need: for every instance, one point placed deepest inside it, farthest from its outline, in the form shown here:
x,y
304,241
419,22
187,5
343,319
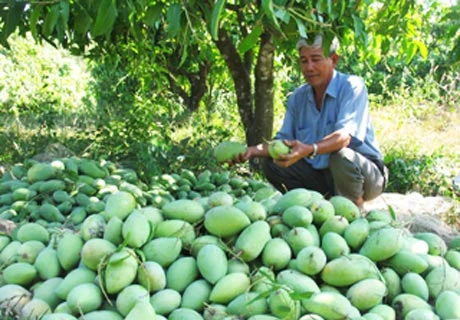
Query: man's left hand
x,y
298,151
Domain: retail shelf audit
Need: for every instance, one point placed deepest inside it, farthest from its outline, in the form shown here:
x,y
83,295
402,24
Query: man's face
x,y
316,68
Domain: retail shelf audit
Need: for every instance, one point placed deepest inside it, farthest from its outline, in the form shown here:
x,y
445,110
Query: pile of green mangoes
x,y
93,242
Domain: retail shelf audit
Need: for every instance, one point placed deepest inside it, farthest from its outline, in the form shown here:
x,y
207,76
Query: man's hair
x,y
318,43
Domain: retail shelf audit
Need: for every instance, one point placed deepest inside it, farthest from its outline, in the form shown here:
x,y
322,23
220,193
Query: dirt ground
x,y
417,213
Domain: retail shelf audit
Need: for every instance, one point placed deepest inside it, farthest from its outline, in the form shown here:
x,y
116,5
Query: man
x,y
327,126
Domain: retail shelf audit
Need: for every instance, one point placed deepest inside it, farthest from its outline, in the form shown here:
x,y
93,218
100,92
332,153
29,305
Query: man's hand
x,y
243,157
298,151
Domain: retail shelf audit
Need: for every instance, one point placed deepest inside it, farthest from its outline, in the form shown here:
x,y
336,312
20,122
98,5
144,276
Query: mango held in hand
x,y
227,150
277,148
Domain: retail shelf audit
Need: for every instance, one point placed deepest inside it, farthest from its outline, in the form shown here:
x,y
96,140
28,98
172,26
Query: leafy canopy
x,y
371,27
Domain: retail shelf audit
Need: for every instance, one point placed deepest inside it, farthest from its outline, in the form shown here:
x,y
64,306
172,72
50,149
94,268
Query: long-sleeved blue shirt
x,y
345,106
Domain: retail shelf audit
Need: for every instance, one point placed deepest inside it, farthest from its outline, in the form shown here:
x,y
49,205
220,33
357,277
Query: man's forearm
x,y
335,141
260,150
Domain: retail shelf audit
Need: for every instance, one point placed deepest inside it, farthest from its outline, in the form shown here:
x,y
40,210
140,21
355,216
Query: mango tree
x,y
185,38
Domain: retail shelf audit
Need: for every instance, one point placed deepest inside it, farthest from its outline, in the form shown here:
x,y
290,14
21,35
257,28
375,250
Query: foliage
x,y
77,24
247,34
391,74
40,99
30,88
430,175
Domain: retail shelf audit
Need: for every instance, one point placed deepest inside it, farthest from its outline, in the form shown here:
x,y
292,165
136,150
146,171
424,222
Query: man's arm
x,y
260,150
335,141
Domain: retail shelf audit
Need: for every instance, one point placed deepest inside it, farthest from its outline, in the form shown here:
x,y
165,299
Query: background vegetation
x,y
120,105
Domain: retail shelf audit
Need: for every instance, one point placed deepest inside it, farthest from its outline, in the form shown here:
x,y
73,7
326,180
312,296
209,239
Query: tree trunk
x,y
261,129
256,110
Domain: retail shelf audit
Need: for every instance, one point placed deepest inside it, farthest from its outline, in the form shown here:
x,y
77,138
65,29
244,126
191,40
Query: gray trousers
x,y
349,174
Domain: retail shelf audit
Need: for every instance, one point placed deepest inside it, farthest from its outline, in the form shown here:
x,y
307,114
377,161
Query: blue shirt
x,y
345,106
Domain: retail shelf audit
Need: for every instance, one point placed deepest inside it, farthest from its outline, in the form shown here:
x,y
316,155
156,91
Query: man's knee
x,y
340,157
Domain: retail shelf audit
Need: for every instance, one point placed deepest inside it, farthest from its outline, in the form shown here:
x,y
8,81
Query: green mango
x,y
251,241
276,253
227,150
121,270
95,251
366,294
229,287
142,310
165,301
20,273
383,244
163,250
68,250
184,209
85,297
196,295
72,279
129,296
136,230
35,309
181,273
447,305
151,276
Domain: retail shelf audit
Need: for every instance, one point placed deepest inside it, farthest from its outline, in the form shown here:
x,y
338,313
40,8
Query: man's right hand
x,y
260,150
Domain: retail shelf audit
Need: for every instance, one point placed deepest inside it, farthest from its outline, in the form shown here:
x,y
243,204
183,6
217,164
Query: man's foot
x,y
360,203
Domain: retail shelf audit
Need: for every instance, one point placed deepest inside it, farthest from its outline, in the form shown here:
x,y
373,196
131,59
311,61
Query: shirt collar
x,y
333,86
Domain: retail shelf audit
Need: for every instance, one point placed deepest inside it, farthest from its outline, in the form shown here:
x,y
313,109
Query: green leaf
x,y
65,11
173,18
82,22
423,49
301,295
392,213
359,29
153,15
323,6
12,19
51,20
411,50
216,13
34,17
105,19
283,15
301,28
267,7
250,40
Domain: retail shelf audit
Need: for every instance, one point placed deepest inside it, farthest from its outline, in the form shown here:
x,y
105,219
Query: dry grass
x,y
434,131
